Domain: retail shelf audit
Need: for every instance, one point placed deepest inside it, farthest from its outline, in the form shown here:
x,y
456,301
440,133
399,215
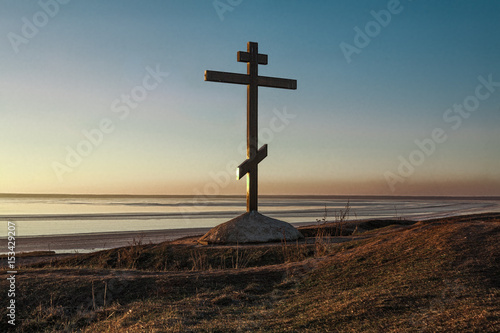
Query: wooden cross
x,y
253,81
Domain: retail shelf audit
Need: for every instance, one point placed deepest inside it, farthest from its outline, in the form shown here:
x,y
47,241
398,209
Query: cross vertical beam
x,y
252,126
253,81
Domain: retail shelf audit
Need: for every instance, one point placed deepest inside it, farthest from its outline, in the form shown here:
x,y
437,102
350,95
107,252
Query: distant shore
x,y
90,242
98,241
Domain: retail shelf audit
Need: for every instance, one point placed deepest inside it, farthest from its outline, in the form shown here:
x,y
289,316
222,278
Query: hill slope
x,y
435,276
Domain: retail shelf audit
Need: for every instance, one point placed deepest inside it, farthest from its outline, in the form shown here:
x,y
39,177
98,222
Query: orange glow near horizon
x,y
482,187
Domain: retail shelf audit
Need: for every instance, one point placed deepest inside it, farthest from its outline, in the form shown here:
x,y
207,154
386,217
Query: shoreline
x,y
90,242
96,241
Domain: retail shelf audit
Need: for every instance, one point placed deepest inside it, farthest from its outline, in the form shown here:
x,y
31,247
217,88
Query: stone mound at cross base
x,y
251,227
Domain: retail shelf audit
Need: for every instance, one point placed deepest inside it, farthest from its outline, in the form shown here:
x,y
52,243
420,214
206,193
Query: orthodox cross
x,y
253,81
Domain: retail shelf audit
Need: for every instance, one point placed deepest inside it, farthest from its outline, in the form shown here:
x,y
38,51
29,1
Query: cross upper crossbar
x,y
252,80
243,56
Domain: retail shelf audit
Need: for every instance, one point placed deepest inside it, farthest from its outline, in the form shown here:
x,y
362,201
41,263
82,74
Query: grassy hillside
x,y
433,276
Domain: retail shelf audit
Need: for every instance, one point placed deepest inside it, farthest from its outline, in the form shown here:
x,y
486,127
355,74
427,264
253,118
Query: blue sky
x,y
352,124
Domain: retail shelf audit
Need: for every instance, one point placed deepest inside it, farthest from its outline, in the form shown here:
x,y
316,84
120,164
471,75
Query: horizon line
x,y
342,196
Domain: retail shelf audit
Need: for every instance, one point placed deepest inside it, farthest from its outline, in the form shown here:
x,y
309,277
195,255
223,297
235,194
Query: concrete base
x,y
251,227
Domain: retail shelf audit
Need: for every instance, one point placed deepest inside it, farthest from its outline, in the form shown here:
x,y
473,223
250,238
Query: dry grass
x,y
173,257
435,276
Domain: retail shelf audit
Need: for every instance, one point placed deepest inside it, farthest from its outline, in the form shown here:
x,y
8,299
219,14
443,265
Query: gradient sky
x,y
353,122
